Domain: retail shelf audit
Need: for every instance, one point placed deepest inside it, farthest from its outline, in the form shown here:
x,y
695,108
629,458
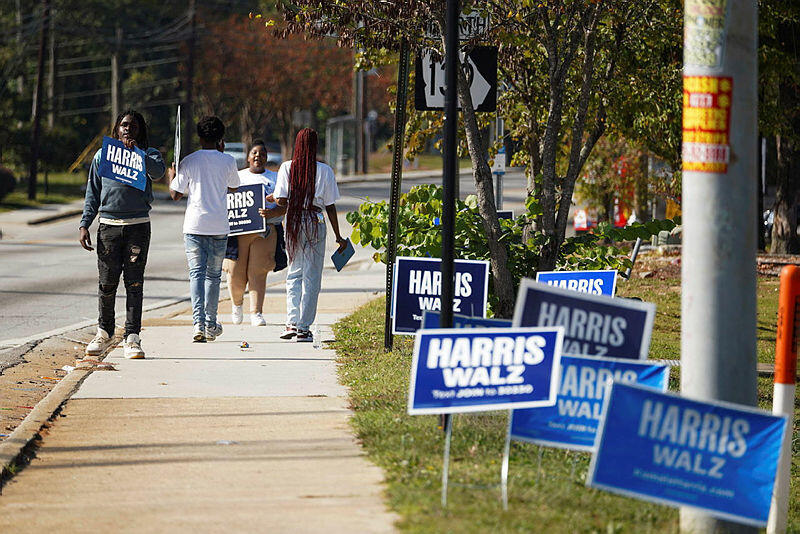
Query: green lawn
x,y
546,486
59,188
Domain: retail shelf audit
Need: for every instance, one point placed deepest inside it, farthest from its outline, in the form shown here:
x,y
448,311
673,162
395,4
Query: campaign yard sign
x,y
472,370
572,423
418,288
594,325
593,282
431,320
243,206
122,164
720,458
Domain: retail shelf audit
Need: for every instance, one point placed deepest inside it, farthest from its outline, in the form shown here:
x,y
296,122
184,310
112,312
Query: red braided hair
x,y
301,214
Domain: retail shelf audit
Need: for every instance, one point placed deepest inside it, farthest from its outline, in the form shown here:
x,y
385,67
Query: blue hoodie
x,y
115,200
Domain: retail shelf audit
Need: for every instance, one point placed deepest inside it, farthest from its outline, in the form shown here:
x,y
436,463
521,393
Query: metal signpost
x,y
397,178
718,304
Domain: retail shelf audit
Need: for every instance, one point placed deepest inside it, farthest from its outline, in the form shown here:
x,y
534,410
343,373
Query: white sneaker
x,y
256,319
133,347
100,342
199,334
236,314
213,331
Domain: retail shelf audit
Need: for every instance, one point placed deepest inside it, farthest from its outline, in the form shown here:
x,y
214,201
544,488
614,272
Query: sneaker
x,y
304,336
256,319
236,314
199,334
100,342
213,331
133,347
290,332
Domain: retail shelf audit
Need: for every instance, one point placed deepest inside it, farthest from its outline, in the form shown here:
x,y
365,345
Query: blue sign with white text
x,y
594,325
717,457
418,288
121,164
572,422
431,320
470,370
593,282
243,206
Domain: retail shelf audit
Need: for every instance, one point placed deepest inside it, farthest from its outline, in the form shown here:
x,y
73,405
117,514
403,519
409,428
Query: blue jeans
x,y
303,281
205,254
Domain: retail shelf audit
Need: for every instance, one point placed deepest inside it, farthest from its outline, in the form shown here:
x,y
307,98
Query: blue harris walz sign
x,y
720,458
572,423
594,325
431,320
418,288
470,370
121,164
243,206
592,282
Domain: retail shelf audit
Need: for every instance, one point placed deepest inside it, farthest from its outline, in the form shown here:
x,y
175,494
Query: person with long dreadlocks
x,y
306,187
123,235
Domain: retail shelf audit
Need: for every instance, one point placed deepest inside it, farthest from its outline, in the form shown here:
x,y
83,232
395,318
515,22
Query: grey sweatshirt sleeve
x,y
92,202
154,164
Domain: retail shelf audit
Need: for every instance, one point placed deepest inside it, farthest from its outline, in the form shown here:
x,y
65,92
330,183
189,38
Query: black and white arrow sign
x,y
480,67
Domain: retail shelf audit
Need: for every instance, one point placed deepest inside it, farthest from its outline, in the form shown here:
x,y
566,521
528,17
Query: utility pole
x,y
718,329
187,111
116,79
51,75
37,103
358,114
20,79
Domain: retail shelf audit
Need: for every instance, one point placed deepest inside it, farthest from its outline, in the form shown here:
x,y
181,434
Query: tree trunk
x,y
498,255
641,196
784,227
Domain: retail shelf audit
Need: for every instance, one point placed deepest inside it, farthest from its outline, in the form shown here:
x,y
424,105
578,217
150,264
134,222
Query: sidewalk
x,y
208,437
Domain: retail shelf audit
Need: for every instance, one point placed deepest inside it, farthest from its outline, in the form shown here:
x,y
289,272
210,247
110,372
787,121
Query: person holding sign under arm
x,y
305,187
255,253
206,175
123,234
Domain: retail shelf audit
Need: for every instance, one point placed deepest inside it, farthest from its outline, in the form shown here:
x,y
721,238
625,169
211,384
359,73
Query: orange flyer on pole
x,y
706,123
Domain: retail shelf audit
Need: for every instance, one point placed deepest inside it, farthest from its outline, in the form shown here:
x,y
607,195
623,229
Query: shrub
x,y
418,234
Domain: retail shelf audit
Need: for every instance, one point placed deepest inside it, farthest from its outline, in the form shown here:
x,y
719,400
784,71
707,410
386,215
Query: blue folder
x,y
340,259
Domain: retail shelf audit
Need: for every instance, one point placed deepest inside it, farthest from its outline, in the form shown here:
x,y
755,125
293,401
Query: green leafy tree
x,y
779,111
560,61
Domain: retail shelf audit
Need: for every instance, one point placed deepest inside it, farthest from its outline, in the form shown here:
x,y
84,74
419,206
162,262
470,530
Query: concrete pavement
x,y
208,437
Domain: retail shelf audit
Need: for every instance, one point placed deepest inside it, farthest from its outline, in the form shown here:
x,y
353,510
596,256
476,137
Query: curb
x,y
15,445
57,217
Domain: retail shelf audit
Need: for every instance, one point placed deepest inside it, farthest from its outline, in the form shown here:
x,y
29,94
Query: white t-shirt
x,y
206,176
326,192
268,179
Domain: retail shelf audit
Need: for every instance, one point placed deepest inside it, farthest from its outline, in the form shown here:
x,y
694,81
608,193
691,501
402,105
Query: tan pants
x,y
256,260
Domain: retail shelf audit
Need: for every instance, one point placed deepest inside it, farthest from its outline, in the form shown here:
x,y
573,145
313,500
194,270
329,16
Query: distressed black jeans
x,y
122,250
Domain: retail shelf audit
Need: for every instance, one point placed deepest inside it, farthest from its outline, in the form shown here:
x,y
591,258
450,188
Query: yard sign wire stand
x,y
448,436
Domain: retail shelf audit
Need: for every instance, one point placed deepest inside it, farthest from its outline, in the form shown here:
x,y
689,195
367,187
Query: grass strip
x,y
546,486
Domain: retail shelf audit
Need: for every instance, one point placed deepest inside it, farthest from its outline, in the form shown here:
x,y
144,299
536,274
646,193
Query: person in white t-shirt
x,y
306,187
206,176
255,256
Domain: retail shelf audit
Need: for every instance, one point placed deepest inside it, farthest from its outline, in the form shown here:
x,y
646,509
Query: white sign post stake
x,y
448,423
504,465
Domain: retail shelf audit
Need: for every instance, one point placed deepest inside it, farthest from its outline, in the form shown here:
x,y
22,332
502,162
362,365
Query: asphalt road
x,y
47,281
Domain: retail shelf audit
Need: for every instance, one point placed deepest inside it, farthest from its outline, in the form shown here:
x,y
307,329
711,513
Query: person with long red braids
x,y
306,187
